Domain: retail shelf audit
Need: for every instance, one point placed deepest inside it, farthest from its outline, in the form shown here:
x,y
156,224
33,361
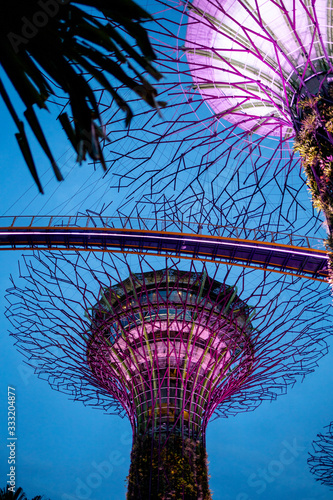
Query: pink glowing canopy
x,y
79,320
250,59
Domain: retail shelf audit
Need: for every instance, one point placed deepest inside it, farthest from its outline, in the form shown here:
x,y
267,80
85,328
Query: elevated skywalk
x,y
254,248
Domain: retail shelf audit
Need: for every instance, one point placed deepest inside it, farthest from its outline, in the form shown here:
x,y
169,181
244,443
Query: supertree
x,y
168,345
266,68
244,81
321,461
192,147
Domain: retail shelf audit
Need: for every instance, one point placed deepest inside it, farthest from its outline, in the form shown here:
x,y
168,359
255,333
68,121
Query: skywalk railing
x,y
99,222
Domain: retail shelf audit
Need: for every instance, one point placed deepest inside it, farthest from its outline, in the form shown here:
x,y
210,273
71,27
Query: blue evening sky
x,y
66,451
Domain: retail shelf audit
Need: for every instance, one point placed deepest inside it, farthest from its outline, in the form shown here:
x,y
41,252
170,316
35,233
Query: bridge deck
x,y
239,247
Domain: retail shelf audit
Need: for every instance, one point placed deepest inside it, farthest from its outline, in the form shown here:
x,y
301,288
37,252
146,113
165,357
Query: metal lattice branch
x,y
230,152
321,461
170,349
251,207
52,315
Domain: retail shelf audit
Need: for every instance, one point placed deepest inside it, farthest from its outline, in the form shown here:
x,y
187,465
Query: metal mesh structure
x,y
261,209
171,337
254,61
167,343
235,73
168,348
192,149
321,461
266,67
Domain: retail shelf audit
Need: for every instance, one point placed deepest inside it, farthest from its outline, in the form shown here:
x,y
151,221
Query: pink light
x,y
248,59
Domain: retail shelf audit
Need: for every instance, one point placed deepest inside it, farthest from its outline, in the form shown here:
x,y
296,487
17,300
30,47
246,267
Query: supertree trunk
x,y
172,468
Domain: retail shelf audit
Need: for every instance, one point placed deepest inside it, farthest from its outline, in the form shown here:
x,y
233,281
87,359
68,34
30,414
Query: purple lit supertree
x,y
249,93
266,68
321,462
168,348
193,146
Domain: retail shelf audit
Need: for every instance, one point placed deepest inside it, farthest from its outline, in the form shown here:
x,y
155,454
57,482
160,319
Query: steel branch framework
x,y
233,78
254,61
321,461
169,348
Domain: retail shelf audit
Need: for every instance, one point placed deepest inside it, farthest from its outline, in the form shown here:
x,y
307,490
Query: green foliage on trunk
x,y
174,469
314,142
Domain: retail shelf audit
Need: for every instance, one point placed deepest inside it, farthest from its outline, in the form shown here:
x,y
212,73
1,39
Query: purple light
x,y
168,348
250,59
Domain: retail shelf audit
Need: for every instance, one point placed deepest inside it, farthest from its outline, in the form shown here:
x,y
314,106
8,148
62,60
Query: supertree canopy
x,y
169,344
254,62
234,88
321,461
249,93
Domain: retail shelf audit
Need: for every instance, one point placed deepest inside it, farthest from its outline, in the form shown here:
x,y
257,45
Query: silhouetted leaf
x,y
55,58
